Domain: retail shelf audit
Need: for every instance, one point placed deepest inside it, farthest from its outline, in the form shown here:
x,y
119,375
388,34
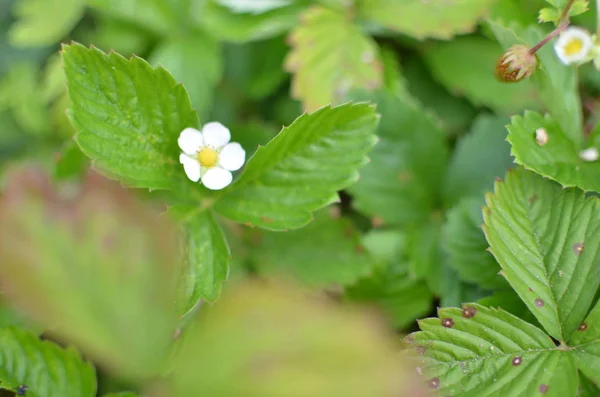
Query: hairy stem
x,y
562,25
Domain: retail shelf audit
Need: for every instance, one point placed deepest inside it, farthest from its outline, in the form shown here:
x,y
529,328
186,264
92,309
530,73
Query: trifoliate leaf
x,y
401,183
466,67
128,117
325,252
422,19
479,351
390,286
206,256
103,268
243,27
558,86
42,23
331,56
540,144
465,244
479,158
546,239
194,60
302,168
43,367
275,341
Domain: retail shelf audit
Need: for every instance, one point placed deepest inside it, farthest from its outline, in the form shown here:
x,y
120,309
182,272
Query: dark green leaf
x,y
401,183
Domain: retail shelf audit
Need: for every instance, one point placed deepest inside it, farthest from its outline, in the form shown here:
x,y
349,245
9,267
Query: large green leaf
x,y
206,256
102,270
479,158
390,286
558,86
466,67
195,60
478,351
32,28
247,26
302,169
331,56
278,342
546,239
466,246
558,158
46,369
401,184
128,117
422,19
327,251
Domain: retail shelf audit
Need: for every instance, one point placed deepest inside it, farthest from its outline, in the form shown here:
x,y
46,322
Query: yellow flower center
x,y
573,47
207,157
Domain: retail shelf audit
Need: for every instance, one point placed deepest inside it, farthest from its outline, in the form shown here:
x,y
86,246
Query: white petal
x,y
232,156
216,178
573,33
191,167
590,154
190,141
216,135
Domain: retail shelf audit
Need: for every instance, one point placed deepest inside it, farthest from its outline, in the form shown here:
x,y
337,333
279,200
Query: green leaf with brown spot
x,y
547,241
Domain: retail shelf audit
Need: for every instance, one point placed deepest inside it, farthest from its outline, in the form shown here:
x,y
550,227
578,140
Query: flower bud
x,y
516,64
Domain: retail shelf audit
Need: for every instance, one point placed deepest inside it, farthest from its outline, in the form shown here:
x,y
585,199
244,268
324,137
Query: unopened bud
x,y
516,64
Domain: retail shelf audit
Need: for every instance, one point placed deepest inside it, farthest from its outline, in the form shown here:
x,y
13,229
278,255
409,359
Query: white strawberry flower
x,y
574,46
208,156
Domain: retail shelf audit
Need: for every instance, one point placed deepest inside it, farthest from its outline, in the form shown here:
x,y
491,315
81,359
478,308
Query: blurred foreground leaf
x,y
91,264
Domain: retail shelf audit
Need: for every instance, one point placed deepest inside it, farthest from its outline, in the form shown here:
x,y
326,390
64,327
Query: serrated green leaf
x,y
243,27
557,85
32,27
479,158
46,369
558,158
465,244
554,14
325,252
195,60
128,117
546,240
206,256
401,183
104,277
290,345
302,168
466,67
420,19
585,343
330,57
390,286
587,388
479,351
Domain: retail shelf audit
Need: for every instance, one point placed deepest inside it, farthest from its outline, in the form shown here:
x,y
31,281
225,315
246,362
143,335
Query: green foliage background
x,y
406,178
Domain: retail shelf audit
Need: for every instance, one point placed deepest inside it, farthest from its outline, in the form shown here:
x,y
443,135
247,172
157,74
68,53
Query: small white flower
x,y
590,154
208,156
574,46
